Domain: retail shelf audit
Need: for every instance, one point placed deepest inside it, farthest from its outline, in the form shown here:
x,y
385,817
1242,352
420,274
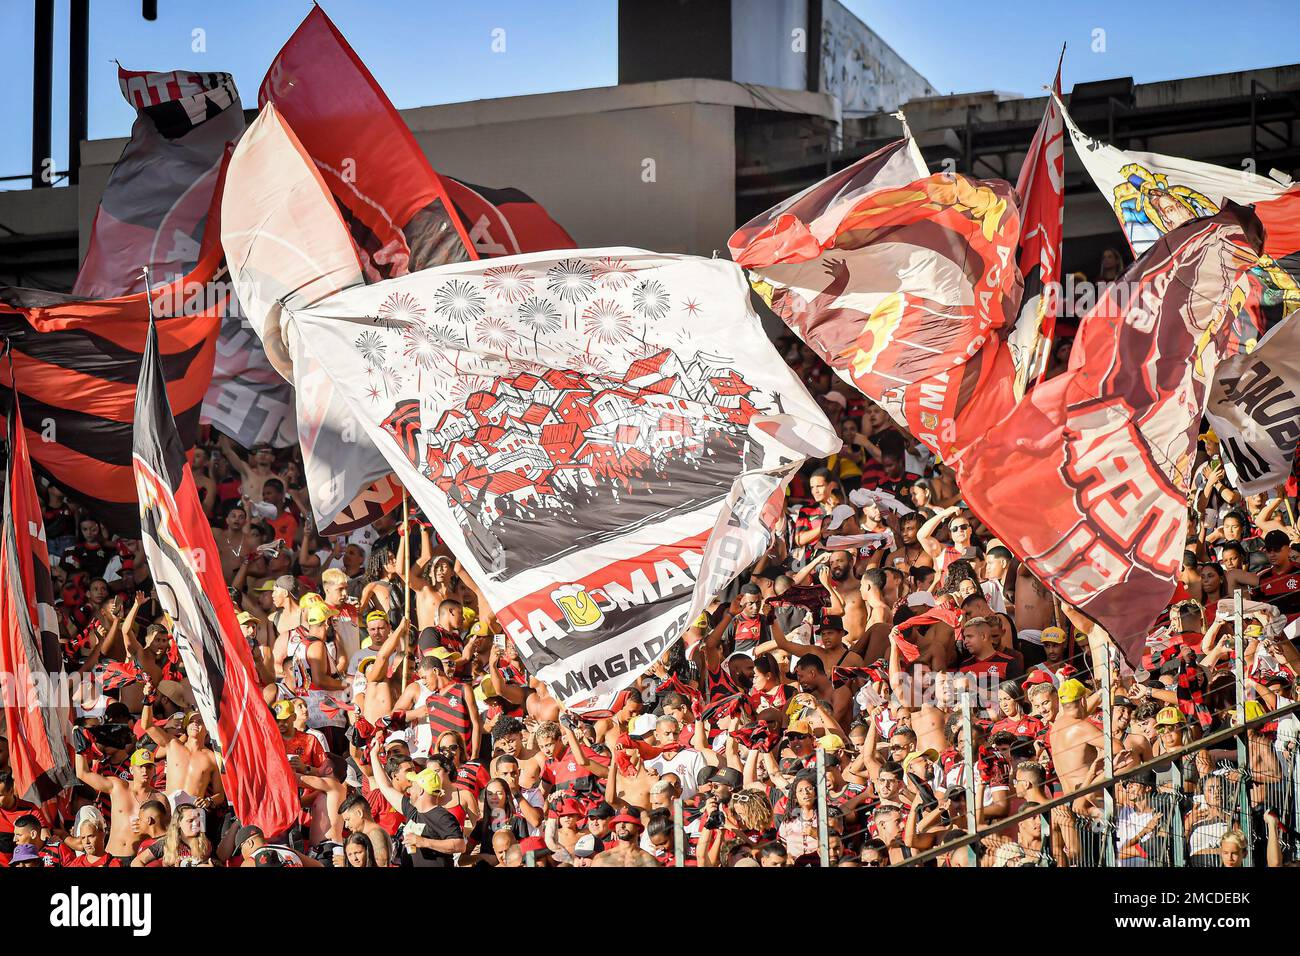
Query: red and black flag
x,y
35,719
506,221
77,362
187,574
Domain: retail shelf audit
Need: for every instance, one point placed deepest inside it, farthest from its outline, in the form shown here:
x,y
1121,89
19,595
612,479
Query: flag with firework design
x,y
602,437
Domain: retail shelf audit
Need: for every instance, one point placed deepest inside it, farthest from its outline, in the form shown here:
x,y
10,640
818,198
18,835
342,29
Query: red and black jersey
x,y
1022,726
900,488
1282,590
563,772
1000,665
873,474
87,560
718,683
7,820
448,711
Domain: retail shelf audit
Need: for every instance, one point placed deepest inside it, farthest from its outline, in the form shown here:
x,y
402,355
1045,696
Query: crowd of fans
x,y
850,645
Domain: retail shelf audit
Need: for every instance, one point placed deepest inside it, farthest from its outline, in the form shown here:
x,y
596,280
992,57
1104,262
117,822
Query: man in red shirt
x,y
1279,583
977,635
89,832
11,808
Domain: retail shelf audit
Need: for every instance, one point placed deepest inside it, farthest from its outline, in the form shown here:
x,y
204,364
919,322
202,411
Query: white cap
x,y
920,599
88,814
841,514
838,398
642,724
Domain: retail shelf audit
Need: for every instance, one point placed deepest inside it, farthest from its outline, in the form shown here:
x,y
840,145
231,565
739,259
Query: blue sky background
x,y
425,52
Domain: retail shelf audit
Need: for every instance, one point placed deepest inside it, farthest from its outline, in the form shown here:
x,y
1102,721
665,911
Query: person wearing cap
x,y
125,800
309,670
88,838
286,614
378,684
1279,583
251,628
431,836
192,769
251,845
1075,741
626,851
1137,824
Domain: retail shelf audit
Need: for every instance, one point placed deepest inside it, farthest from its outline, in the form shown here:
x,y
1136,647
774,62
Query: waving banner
x,y
573,424
35,714
1086,479
1152,194
905,291
153,212
1041,188
1255,411
186,571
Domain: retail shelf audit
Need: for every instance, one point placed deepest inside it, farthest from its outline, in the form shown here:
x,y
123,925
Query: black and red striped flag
x,y
187,574
35,715
77,361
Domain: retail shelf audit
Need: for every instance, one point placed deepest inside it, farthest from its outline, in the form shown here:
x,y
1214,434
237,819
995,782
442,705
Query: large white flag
x,y
601,436
1254,409
1152,193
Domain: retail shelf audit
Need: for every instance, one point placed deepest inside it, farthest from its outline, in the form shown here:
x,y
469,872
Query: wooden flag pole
x,y
406,591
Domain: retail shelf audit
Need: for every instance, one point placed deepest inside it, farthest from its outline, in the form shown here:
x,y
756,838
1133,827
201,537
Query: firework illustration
x,y
538,315
650,301
612,272
587,364
445,340
467,385
494,331
399,309
372,348
419,345
520,366
508,283
460,302
691,308
372,392
605,322
572,280
391,380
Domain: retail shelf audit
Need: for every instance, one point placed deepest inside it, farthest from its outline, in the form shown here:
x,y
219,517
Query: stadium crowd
x,y
422,741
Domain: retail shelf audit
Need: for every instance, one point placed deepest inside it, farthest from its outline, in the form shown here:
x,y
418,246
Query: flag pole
x,y
406,591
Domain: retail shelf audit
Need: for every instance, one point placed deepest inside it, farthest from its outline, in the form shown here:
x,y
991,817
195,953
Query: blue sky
x,y
433,51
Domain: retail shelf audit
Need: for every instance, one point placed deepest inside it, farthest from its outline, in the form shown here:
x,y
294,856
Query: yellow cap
x,y
311,597
442,654
1071,690
283,709
831,743
799,727
468,616
1253,630
1053,635
929,754
701,622
1169,716
480,629
317,614
1254,710
143,758
243,617
428,780
366,662
376,616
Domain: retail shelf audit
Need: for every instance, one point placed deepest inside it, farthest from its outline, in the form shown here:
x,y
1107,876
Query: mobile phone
x,y
499,640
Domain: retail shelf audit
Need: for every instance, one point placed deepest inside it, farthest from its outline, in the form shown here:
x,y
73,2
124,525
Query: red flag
x,y
505,222
394,204
1041,188
1086,479
35,715
903,291
187,574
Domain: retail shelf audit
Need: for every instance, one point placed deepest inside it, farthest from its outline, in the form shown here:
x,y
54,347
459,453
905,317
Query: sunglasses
x,y
796,736
959,527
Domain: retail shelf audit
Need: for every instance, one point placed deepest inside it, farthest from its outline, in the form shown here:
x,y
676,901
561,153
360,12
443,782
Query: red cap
x,y
627,818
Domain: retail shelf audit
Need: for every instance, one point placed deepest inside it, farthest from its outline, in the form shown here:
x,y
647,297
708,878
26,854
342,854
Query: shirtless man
x,y
959,529
880,591
126,799
1034,607
375,698
626,850
232,541
255,472
841,581
191,764
830,647
1075,741
629,781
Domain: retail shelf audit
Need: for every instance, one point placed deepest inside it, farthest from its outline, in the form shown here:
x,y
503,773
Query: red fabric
x,y
38,750
362,146
1104,449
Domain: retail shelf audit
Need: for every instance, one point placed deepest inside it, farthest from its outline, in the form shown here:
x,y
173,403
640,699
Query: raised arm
x,y
925,536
